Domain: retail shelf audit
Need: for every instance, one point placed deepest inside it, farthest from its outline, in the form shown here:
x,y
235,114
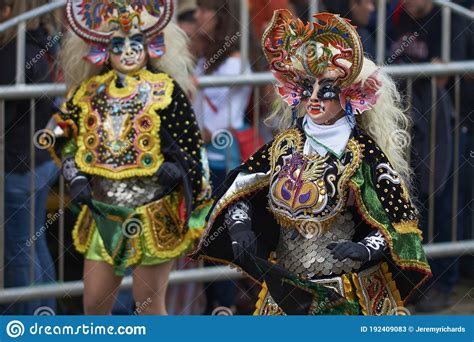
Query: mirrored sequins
x,y
131,192
309,257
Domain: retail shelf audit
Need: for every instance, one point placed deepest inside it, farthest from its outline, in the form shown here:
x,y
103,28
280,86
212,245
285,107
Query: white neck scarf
x,y
326,138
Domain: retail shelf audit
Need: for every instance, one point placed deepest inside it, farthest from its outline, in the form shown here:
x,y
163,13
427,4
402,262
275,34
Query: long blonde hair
x,y
176,62
386,122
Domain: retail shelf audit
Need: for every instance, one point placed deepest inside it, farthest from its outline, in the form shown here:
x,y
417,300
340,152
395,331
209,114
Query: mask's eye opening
x,y
328,90
138,38
117,44
308,89
307,92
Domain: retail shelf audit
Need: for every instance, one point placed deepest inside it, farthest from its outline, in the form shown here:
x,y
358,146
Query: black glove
x,y
349,249
169,174
372,248
243,238
79,189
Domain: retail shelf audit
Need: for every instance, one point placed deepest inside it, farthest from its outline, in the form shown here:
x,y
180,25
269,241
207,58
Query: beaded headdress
x,y
95,21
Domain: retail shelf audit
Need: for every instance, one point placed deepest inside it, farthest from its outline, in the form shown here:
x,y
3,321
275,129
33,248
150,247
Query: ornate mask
x,y
299,54
127,30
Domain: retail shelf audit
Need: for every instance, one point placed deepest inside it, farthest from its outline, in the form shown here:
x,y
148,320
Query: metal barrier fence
x,y
409,72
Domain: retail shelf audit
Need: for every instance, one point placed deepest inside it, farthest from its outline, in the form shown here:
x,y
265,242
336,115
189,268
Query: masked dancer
x,y
130,148
321,217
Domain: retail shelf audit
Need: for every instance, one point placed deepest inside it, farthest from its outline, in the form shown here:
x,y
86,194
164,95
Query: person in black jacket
x,y
19,170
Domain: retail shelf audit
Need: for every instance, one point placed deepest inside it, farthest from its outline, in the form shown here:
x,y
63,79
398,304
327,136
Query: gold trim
x,y
294,139
82,247
349,293
360,295
261,299
392,285
107,258
406,227
131,260
168,252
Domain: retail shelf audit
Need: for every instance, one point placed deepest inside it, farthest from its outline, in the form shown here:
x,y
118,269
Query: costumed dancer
x,y
130,148
321,216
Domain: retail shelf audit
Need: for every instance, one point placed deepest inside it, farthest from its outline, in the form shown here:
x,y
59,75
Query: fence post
x,y
446,34
457,137
20,53
61,229
432,181
381,27
244,35
313,9
32,190
2,193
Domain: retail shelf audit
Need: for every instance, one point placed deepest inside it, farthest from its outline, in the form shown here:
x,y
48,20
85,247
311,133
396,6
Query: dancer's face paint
x,y
127,53
324,106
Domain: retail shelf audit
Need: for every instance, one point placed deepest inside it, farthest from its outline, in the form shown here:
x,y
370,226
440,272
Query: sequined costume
x,y
119,130
302,201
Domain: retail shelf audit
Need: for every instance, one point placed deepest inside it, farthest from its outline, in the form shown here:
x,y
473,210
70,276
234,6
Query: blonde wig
x,y
176,62
386,122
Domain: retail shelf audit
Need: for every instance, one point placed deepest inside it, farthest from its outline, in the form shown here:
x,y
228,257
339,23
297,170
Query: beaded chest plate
x,y
119,126
306,192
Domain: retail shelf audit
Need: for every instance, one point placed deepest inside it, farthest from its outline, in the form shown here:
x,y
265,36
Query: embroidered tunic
x,y
120,136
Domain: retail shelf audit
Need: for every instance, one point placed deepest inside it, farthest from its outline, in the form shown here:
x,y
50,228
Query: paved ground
x,y
462,302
